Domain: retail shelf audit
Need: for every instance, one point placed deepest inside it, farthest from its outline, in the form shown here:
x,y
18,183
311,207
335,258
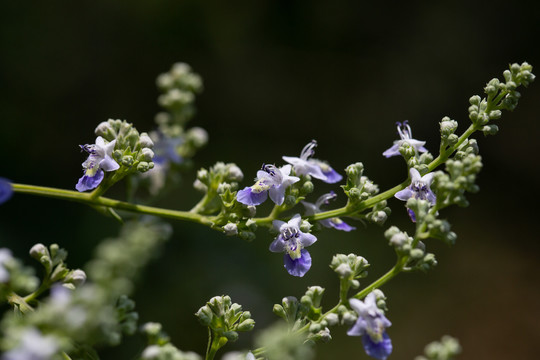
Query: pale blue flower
x,y
292,241
371,326
6,190
165,148
270,181
336,223
303,165
419,189
99,159
405,133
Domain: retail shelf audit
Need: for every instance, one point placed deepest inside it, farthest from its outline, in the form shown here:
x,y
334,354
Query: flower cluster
x,y
273,181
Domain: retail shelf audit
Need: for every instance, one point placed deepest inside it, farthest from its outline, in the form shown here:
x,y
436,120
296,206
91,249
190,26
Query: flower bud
x,y
332,319
145,141
279,311
234,173
38,251
230,229
198,185
106,130
75,277
146,154
246,325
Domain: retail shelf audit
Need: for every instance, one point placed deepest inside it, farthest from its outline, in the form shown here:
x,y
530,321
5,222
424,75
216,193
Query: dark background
x,y
278,74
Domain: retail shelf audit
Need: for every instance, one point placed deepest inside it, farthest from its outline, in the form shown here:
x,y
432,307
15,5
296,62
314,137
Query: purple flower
x,y
292,241
270,181
371,325
405,133
99,159
419,189
336,223
6,190
303,165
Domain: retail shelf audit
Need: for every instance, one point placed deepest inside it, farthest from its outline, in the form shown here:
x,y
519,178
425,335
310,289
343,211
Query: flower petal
x,y
248,197
404,194
392,151
6,190
295,221
332,176
306,239
379,350
278,245
415,175
277,194
298,267
340,225
358,329
90,182
108,164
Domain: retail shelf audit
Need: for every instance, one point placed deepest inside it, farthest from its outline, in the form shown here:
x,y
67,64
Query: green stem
x,y
87,198
19,302
46,284
217,343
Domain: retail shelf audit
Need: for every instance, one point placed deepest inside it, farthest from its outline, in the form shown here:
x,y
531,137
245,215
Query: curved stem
x,y
87,198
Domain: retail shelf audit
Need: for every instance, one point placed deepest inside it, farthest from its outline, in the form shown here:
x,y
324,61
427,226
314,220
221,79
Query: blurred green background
x,y
278,74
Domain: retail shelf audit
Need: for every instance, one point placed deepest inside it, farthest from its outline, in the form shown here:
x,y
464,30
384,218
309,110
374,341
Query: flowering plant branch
x,y
66,316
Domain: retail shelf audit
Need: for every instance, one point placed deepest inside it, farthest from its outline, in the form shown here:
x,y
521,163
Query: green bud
x,y
354,194
306,301
290,200
475,100
127,160
39,251
332,319
305,226
307,187
205,315
314,328
232,336
490,129
279,311
246,325
143,166
247,235
416,254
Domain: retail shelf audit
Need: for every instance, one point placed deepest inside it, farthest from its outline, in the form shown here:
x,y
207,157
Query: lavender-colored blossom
x,y
405,133
165,148
371,326
336,223
271,181
419,189
303,165
33,346
5,256
292,241
99,160
6,190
